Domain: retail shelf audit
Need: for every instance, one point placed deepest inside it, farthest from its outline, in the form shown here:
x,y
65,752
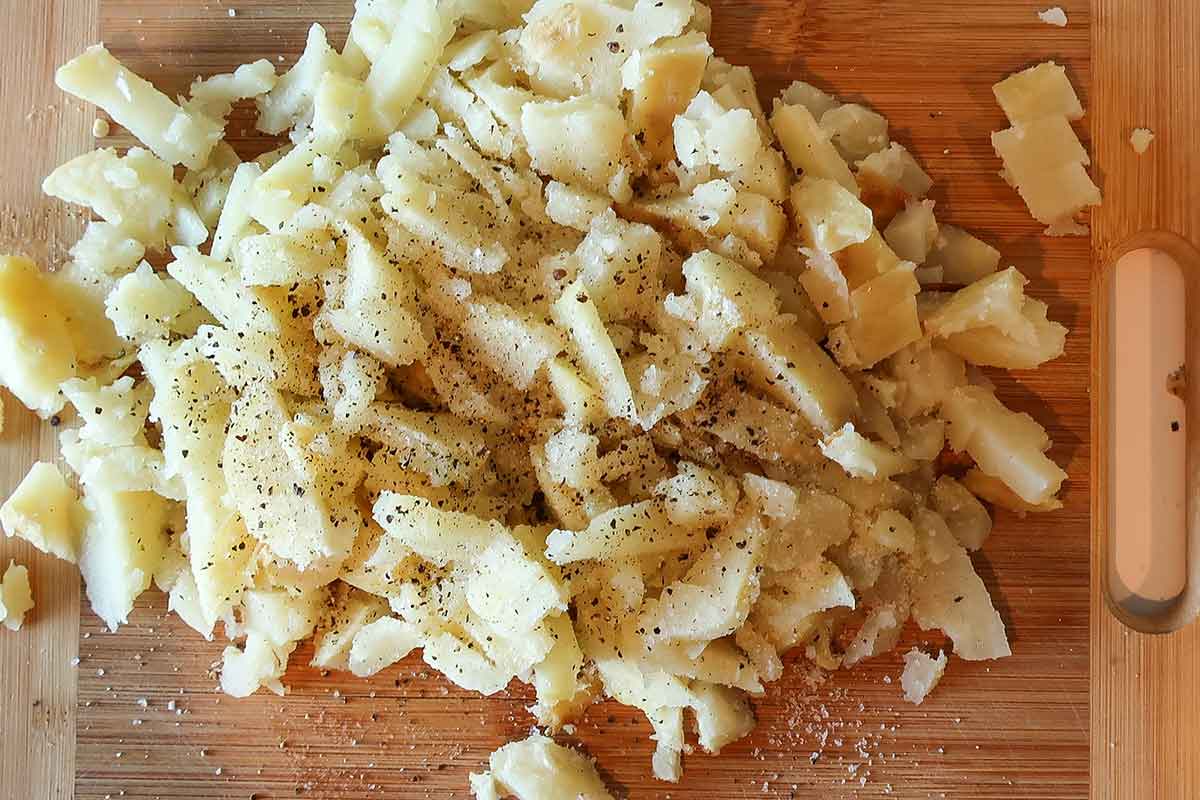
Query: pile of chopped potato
x,y
541,348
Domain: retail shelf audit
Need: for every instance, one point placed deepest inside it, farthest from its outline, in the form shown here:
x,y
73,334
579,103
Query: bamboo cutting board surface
x,y
1012,728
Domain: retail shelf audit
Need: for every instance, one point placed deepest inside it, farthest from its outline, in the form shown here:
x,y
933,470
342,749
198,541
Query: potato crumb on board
x,y
1140,140
16,599
100,128
1054,16
921,673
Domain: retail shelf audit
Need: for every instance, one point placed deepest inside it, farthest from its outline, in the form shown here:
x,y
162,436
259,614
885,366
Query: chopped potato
x,y
176,135
537,346
921,674
16,598
44,511
36,351
1007,445
538,769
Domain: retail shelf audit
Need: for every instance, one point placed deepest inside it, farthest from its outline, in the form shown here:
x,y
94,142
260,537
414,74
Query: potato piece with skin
x,y
951,597
808,148
136,192
46,512
789,366
829,217
36,350
579,141
1006,445
577,313
538,769
862,458
176,135
123,544
16,598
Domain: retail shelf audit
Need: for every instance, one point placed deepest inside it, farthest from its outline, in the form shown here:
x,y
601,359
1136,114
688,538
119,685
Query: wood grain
x,y
1145,688
1015,728
38,130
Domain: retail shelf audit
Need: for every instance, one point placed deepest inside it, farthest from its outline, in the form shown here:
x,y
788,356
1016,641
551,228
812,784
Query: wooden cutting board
x,y
140,714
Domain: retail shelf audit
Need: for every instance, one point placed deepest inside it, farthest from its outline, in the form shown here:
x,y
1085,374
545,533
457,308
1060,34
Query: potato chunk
x,y
578,141
16,598
829,217
539,769
789,366
176,135
123,544
808,147
1007,445
921,674
36,351
44,511
951,597
1040,91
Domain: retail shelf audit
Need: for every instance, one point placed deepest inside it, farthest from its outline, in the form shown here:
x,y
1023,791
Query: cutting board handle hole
x,y
1151,497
